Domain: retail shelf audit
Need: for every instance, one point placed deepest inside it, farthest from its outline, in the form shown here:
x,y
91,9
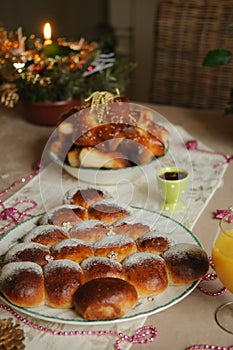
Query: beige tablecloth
x,y
48,188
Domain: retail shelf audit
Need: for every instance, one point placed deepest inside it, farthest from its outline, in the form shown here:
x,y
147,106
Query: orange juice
x,y
223,258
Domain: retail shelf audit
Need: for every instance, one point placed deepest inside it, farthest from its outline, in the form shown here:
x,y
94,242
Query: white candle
x,y
47,34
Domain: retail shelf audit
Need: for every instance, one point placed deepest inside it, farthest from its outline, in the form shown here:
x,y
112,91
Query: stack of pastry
x,y
112,135
85,255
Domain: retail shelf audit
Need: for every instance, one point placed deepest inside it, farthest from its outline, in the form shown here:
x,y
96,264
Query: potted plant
x,y
220,57
54,77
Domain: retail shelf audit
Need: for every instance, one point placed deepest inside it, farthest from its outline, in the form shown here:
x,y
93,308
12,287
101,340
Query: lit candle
x,y
47,34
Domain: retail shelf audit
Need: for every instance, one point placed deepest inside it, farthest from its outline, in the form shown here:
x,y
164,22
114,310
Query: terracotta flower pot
x,y
47,113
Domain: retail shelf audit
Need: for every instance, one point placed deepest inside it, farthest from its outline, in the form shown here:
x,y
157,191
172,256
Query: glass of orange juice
x,y
222,253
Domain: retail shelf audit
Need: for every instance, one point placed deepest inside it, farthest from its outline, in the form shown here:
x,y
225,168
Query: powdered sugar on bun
x,y
152,242
10,269
133,230
88,224
62,279
22,283
186,263
28,251
65,216
147,272
115,247
84,196
113,241
63,263
107,211
89,230
140,258
72,249
97,267
46,235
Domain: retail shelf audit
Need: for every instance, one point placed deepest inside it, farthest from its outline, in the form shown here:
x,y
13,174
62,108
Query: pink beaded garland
x,y
12,214
212,347
221,213
210,277
193,145
143,335
36,167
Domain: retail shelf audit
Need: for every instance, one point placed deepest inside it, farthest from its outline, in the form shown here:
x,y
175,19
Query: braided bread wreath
x,y
98,261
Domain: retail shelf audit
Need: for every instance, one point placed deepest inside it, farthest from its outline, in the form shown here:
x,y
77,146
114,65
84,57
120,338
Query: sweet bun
x,y
99,267
46,235
90,157
107,211
186,263
135,151
22,283
110,145
72,249
147,272
152,242
130,124
89,132
115,247
61,279
84,196
89,230
104,298
73,157
152,138
62,139
133,230
31,251
64,216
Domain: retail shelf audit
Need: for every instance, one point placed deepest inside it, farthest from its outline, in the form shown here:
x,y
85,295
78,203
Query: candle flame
x,y
47,31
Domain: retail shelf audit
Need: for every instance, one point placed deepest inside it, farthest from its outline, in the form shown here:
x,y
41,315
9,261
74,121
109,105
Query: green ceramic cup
x,y
173,184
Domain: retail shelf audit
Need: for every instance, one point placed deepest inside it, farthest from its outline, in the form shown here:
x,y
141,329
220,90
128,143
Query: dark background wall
x,y
69,18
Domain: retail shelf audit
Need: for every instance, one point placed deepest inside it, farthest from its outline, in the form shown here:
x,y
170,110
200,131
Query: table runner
x,y
48,188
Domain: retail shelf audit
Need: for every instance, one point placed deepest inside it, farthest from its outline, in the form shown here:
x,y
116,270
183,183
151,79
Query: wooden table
x,y
191,321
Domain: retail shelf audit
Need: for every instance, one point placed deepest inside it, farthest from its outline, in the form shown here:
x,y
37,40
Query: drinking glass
x,y
222,253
